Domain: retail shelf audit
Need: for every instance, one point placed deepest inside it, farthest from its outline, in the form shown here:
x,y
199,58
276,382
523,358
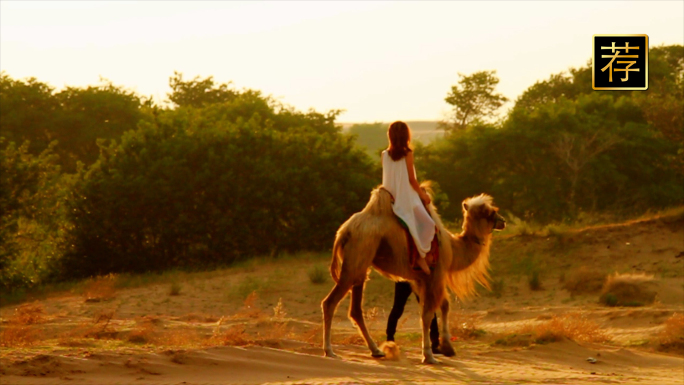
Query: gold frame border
x,y
593,50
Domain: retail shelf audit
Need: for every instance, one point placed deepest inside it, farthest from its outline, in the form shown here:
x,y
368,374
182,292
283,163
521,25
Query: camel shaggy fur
x,y
374,237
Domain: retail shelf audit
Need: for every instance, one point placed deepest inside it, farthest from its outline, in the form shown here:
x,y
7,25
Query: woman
x,y
399,178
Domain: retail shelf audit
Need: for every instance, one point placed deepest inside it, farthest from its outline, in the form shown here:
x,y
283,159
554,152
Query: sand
x,y
281,345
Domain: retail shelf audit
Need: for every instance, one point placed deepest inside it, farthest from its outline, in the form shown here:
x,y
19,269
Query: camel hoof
x,y
378,354
330,354
446,349
430,361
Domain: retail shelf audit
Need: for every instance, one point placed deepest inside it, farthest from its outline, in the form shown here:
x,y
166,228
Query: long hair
x,y
399,135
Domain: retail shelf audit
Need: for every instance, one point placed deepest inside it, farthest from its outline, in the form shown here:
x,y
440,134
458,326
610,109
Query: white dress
x,y
407,203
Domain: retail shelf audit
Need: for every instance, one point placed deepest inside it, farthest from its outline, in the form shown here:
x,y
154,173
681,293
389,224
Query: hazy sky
x,y
377,60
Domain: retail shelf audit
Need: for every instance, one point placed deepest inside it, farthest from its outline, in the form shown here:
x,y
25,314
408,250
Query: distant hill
x,y
373,136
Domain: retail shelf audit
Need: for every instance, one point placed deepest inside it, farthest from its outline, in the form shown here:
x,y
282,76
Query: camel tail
x,y
335,264
341,239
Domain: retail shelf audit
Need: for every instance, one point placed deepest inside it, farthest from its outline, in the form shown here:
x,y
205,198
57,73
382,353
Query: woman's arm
x,y
413,181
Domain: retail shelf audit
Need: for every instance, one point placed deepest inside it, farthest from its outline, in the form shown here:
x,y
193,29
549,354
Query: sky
x,y
378,61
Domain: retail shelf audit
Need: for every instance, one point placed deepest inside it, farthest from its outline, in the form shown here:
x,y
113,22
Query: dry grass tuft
x,y
177,337
142,335
584,281
279,310
20,330
19,335
311,336
629,290
29,314
575,327
99,328
195,317
234,336
391,350
249,307
144,332
465,326
352,339
672,337
175,289
318,275
515,339
276,330
101,288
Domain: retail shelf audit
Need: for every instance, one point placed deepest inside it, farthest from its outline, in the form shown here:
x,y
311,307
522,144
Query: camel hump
x,y
380,202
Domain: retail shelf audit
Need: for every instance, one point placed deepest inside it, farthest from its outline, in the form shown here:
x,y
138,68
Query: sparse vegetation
x,y
575,327
279,310
497,286
533,280
175,289
246,287
100,288
465,326
628,290
584,281
672,337
21,329
318,275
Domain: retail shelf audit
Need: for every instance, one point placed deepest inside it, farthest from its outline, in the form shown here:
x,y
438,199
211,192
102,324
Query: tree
x,y
87,114
29,112
75,117
569,85
210,185
198,92
473,98
31,194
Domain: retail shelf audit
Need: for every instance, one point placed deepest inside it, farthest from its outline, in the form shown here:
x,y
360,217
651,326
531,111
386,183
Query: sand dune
x,y
281,344
563,362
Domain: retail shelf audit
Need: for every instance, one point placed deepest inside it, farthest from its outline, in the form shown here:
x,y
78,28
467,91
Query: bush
x,y
584,280
534,281
32,192
575,327
672,336
497,286
318,275
175,289
207,186
628,290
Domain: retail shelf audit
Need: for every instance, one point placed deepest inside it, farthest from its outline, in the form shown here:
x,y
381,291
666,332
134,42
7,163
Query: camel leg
x,y
445,345
329,306
426,317
356,315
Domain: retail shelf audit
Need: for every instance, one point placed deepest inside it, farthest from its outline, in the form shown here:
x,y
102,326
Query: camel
x,y
374,237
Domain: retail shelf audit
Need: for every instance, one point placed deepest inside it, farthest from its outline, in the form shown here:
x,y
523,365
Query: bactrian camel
x,y
374,237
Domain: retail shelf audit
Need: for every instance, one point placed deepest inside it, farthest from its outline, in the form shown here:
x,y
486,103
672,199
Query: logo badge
x,y
620,63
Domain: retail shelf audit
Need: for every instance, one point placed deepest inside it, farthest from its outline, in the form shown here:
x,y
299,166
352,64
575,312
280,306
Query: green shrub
x,y
175,289
628,290
318,275
497,285
534,281
246,287
206,186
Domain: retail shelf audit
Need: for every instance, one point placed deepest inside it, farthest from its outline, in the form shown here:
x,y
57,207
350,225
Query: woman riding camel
x,y
399,178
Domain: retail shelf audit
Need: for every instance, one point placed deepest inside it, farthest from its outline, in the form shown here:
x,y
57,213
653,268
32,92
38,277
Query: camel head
x,y
481,216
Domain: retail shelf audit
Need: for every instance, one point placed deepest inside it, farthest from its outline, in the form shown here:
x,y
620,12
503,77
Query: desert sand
x,y
259,322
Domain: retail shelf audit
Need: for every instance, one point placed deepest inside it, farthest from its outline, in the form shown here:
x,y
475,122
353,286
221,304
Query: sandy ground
x,y
280,344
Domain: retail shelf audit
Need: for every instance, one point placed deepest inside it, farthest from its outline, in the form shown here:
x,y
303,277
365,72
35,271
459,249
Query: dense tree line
x,y
565,149
222,175
99,179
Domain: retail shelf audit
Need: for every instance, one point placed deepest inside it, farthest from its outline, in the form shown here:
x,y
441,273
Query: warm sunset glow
x,y
377,60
